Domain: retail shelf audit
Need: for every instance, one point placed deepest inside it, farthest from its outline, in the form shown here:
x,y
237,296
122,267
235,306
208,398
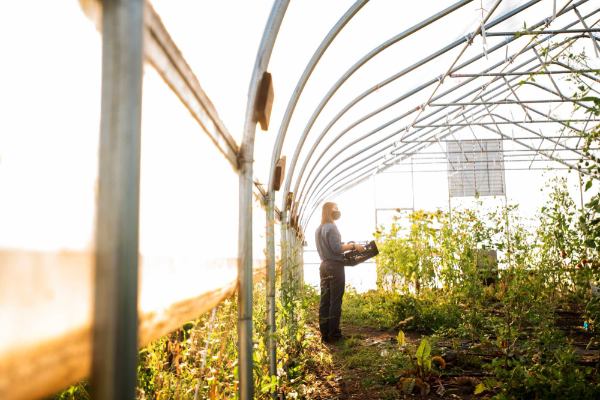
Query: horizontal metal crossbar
x,y
520,73
482,103
546,121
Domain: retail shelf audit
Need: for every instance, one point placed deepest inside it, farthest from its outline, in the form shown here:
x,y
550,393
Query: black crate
x,y
355,257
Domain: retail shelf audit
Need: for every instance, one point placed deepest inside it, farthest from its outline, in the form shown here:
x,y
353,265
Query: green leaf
x,y
480,389
401,338
423,352
588,185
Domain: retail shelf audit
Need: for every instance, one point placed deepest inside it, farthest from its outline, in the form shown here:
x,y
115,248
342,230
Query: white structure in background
x,y
475,168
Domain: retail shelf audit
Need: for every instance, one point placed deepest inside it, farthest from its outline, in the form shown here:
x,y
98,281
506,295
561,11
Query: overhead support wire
x,y
355,68
463,96
592,13
351,157
377,169
372,170
542,32
532,149
579,72
499,131
512,90
466,124
558,13
478,31
521,73
539,24
548,73
496,123
373,167
594,42
397,100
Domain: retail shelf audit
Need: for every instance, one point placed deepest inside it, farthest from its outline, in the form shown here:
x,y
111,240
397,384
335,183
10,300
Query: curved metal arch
x,y
534,132
321,185
270,211
308,70
438,110
366,174
420,63
407,149
433,81
246,159
416,149
408,94
376,163
549,37
355,68
363,175
497,131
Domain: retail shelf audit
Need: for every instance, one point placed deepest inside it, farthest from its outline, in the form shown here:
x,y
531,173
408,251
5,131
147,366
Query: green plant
x,y
551,375
422,370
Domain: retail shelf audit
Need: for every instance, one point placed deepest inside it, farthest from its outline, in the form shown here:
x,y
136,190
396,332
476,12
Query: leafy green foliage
x,y
201,358
388,310
431,280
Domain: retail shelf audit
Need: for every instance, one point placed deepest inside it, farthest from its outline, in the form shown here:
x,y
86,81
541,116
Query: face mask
x,y
336,215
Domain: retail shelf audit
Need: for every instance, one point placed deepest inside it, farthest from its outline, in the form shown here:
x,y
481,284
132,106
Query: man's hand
x,y
359,247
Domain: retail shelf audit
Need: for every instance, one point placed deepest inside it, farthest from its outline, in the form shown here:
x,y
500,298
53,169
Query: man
x,y
333,280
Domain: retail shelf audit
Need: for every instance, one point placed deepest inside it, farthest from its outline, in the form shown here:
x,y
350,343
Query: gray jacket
x,y
329,242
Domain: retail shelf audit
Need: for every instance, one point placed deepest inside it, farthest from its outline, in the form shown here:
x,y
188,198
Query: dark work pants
x,y
333,281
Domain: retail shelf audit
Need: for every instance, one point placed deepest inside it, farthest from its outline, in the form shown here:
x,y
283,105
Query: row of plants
x,y
199,360
432,278
524,328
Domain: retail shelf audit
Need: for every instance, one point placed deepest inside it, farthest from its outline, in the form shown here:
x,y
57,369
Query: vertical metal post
x,y
246,159
116,271
294,257
284,246
412,182
508,246
285,263
374,176
291,264
301,261
271,327
580,189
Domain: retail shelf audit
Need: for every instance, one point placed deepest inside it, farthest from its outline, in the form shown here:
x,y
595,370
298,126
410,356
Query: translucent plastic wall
x,y
188,204
48,171
49,133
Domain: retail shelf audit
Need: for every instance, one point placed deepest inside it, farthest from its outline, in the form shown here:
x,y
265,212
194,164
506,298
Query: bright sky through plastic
x,y
49,125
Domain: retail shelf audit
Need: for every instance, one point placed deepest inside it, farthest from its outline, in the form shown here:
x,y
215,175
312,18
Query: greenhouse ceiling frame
x,y
130,26
301,216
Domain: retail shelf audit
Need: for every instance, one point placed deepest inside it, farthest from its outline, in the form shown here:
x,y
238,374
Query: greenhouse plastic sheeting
x,y
48,180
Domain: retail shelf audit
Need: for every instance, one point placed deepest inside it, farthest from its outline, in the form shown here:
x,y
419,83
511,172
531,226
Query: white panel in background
x,y
475,168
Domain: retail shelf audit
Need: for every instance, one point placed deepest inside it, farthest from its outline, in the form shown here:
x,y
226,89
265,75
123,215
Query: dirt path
x,y
367,366
364,366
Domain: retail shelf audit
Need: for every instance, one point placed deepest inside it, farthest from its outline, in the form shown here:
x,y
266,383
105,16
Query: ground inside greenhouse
x,y
363,367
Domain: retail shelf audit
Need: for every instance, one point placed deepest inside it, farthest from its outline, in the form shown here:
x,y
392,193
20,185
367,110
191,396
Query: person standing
x,y
333,279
